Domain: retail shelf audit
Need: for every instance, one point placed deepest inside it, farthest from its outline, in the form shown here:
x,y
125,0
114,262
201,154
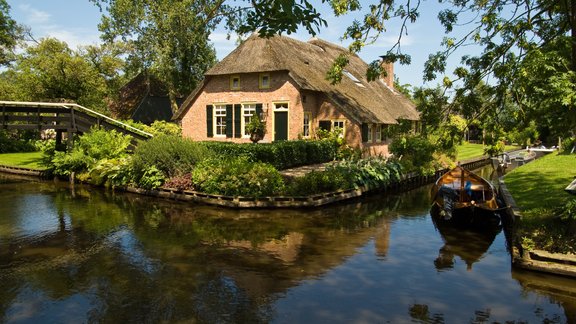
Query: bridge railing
x,y
78,108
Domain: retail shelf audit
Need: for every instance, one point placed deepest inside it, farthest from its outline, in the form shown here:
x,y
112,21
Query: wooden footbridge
x,y
66,118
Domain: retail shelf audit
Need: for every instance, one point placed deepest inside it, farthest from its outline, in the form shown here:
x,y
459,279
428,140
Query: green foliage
x,y
568,211
173,155
373,172
569,145
526,135
65,163
316,182
256,128
237,176
90,148
113,173
281,154
166,128
415,153
10,33
11,143
51,71
167,38
152,178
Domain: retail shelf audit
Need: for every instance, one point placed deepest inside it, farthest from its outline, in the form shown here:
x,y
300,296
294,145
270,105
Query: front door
x,y
280,121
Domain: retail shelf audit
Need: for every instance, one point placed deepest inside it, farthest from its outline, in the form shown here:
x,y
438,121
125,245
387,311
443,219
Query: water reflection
x,y
90,255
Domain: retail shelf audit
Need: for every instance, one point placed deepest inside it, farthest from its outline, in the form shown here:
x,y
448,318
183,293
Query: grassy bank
x,y
30,160
538,188
468,151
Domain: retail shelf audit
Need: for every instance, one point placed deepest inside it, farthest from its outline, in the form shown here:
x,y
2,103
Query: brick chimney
x,y
389,78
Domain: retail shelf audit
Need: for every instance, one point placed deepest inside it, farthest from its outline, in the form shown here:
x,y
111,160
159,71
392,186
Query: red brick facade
x,y
218,92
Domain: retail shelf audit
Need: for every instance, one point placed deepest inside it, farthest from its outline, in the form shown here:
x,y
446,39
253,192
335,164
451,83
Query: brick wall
x,y
282,90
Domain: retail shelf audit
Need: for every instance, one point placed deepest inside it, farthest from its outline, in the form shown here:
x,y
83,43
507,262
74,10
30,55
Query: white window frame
x,y
337,123
248,110
219,114
379,133
306,124
232,78
370,133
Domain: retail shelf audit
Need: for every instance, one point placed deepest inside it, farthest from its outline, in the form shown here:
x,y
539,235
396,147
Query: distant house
x,y
144,99
284,81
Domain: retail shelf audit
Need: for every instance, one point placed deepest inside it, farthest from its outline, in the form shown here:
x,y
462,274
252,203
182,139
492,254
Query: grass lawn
x,y
538,189
468,151
29,160
541,183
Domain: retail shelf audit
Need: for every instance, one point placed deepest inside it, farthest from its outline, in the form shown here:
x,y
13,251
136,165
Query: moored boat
x,y
463,197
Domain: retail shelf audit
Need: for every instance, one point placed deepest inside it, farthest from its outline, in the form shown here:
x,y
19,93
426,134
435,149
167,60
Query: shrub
x,y
372,172
281,154
569,145
96,145
112,172
10,143
183,182
237,176
317,182
152,178
415,153
172,155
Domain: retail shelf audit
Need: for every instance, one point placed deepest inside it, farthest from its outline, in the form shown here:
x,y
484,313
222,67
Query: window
x,y
378,133
264,81
248,110
235,82
353,78
370,134
220,120
340,125
306,127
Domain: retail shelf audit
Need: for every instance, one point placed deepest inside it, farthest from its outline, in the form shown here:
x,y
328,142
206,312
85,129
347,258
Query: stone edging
x,y
21,171
536,260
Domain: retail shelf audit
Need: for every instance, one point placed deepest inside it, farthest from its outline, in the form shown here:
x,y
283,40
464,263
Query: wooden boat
x,y
463,197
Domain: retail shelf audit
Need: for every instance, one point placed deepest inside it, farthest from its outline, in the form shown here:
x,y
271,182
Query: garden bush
x,y
11,143
415,153
173,155
317,182
281,154
237,176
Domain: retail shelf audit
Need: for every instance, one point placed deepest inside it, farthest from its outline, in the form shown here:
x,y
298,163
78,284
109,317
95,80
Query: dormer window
x,y
353,78
235,82
264,82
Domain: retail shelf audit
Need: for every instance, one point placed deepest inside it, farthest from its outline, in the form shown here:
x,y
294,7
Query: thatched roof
x,y
307,64
144,99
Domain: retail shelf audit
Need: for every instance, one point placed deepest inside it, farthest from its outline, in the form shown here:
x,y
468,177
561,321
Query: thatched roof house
x,y
281,75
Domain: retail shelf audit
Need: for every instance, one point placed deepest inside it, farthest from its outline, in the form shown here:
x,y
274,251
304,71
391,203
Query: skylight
x,y
353,78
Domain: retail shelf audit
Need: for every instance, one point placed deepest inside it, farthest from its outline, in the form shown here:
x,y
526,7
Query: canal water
x,y
86,255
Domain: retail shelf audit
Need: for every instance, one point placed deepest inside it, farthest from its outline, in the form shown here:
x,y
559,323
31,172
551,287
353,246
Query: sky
x,y
76,23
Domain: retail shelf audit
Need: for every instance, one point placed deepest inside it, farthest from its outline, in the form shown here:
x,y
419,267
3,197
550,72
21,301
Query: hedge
x,y
282,155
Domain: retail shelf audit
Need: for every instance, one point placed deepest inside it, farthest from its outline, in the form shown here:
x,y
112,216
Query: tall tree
x,y
51,71
10,33
168,39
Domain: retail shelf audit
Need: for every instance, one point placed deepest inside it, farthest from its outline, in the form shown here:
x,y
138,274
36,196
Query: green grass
x,y
468,151
541,183
30,160
538,189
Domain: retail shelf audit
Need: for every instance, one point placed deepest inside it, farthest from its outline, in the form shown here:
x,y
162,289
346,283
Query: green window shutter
x,y
238,131
229,120
364,132
325,125
209,121
259,110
